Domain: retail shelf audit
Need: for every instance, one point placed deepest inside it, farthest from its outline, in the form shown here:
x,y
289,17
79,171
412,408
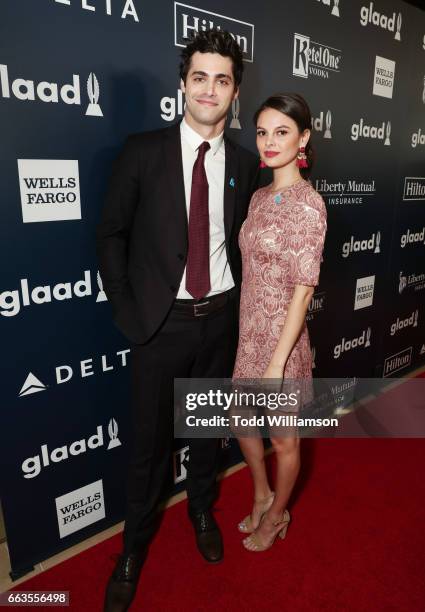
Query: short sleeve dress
x,y
281,242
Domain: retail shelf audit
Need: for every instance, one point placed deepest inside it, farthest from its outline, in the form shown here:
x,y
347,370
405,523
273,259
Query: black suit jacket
x,y
142,238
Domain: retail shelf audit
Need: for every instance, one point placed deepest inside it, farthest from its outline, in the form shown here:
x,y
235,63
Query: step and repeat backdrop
x,y
76,77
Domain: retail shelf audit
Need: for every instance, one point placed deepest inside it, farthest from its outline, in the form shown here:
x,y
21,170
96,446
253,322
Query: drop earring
x,y
302,158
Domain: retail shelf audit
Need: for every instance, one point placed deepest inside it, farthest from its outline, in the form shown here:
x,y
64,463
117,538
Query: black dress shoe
x,y
122,584
208,536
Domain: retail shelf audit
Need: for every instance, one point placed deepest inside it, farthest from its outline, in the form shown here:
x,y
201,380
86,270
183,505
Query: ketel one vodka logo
x,y
314,59
418,138
369,244
412,237
32,466
369,15
411,321
50,92
347,345
11,301
317,124
335,6
181,463
363,130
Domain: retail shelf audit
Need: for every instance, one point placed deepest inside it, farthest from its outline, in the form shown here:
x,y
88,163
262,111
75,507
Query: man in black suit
x,y
171,268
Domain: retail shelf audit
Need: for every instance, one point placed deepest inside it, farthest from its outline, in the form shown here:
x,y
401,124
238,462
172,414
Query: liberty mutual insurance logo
x,y
311,58
50,92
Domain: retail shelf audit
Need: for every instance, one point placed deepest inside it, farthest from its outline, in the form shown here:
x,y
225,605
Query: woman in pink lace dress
x,y
281,243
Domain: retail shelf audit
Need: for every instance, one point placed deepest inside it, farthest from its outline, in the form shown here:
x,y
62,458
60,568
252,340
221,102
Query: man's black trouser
x,y
185,346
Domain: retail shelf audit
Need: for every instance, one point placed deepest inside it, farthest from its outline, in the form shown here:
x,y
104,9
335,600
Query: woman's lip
x,y
271,153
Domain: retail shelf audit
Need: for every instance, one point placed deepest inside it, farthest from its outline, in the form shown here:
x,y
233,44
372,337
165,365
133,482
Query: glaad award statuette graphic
x,y
397,34
101,295
93,108
388,133
378,242
423,93
335,10
113,434
313,357
235,123
368,334
328,121
402,282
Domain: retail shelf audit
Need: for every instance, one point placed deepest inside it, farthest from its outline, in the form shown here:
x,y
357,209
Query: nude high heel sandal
x,y
246,526
252,542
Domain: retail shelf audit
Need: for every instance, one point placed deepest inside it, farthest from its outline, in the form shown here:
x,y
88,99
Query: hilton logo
x,y
313,58
397,362
50,92
191,19
414,188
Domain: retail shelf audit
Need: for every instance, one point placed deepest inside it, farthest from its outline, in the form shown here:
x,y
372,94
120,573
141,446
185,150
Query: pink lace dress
x,y
281,242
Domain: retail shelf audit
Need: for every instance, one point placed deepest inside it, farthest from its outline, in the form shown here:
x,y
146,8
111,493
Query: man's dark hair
x,y
213,41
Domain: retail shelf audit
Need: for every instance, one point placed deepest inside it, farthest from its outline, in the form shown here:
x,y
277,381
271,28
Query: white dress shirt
x,y
220,274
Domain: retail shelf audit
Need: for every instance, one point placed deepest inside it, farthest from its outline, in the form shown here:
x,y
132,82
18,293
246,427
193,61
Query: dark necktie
x,y
198,258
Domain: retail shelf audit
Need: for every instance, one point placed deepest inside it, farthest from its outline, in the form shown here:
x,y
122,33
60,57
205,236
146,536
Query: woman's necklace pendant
x,y
278,199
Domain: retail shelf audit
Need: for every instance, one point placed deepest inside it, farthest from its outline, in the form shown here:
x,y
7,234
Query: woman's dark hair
x,y
296,107
213,41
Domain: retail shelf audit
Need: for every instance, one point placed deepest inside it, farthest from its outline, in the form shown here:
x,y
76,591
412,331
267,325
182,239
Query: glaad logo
x,y
335,8
172,106
80,508
93,92
362,130
12,301
364,292
86,367
383,82
370,244
418,138
32,466
397,362
50,189
191,19
236,108
314,58
415,281
128,10
414,188
32,385
412,237
411,321
345,192
181,463
50,92
369,15
347,345
317,124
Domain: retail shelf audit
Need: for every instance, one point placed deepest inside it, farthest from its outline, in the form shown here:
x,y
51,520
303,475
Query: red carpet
x,y
356,543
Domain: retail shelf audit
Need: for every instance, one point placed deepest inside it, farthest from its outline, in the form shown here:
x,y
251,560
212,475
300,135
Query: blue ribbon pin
x,y
232,182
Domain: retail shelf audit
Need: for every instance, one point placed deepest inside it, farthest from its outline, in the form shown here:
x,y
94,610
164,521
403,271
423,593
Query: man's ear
x,y
182,86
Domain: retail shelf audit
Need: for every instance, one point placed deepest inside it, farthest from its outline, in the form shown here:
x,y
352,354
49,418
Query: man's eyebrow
x,y
220,75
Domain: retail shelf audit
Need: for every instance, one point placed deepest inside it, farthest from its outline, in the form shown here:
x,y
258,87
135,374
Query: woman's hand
x,y
274,371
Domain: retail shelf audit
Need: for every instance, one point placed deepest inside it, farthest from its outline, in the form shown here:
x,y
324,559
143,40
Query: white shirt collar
x,y
194,140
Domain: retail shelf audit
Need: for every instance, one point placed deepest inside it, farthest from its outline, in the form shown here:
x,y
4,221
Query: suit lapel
x,y
230,186
174,176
